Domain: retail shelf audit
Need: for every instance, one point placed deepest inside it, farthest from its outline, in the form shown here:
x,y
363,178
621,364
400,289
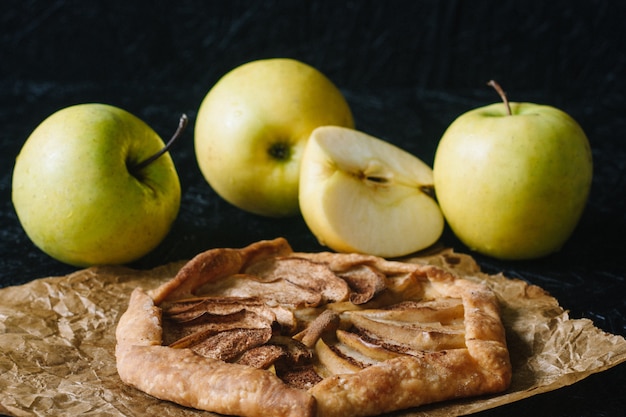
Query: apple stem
x,y
182,124
502,94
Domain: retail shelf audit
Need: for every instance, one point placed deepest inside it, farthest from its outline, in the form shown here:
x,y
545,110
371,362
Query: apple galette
x,y
265,331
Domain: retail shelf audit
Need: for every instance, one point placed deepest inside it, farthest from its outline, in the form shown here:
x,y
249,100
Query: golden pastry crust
x,y
311,335
181,376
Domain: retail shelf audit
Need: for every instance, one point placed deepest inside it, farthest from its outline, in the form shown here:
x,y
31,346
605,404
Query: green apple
x,y
87,191
361,194
253,125
513,179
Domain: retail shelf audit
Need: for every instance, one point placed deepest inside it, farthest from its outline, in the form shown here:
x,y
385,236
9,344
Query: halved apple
x,y
361,194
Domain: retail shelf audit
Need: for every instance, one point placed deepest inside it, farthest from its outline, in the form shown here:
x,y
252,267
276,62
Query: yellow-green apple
x,y
253,125
361,194
87,189
513,179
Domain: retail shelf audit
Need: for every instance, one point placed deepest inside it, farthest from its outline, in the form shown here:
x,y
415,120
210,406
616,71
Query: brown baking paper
x,y
57,343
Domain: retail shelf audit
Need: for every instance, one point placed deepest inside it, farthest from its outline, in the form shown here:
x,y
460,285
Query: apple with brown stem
x,y
93,185
513,178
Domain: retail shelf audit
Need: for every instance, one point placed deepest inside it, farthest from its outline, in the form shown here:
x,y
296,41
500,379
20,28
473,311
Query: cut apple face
x,y
361,194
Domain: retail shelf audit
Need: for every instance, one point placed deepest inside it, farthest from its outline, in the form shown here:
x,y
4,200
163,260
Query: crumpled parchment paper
x,y
57,343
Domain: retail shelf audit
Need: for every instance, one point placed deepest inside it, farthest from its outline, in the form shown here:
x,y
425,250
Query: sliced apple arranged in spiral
x,y
362,194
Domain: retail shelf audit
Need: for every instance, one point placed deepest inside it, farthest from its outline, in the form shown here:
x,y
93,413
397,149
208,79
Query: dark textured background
x,y
407,68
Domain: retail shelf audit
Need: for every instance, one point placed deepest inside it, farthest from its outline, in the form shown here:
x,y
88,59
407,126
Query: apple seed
x,y
429,190
378,180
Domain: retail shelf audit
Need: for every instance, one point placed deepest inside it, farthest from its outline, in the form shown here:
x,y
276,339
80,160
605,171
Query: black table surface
x,y
407,70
